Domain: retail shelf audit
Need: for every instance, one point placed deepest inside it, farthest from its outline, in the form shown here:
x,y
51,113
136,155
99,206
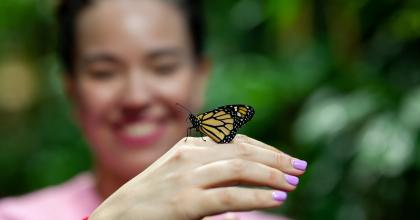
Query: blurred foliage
x,y
334,82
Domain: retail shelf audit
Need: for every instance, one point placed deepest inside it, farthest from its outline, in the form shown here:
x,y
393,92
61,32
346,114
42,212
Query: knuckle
x,y
226,198
241,138
259,198
244,150
182,153
279,158
237,167
273,177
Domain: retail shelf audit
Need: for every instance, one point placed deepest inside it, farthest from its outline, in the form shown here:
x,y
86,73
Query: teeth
x,y
140,129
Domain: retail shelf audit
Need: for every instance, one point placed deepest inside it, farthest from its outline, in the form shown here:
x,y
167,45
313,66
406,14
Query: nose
x,y
137,92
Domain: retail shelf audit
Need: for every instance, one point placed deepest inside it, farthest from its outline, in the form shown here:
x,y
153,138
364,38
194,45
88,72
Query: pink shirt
x,y
73,200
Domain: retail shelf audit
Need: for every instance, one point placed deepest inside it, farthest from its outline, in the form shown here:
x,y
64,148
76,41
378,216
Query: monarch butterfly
x,y
222,123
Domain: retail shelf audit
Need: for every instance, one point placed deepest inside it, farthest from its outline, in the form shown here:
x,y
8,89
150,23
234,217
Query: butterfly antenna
x,y
183,108
188,129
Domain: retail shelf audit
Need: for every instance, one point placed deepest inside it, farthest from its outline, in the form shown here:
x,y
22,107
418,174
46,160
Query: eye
x,y
102,74
166,69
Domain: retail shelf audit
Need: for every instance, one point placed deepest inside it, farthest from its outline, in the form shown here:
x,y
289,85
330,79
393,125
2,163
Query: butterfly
x,y
222,123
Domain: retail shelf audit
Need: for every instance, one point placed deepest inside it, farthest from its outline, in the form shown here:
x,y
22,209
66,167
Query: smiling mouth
x,y
139,130
140,134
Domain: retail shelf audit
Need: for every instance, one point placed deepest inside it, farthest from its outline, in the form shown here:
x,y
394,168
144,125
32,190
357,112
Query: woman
x,y
127,63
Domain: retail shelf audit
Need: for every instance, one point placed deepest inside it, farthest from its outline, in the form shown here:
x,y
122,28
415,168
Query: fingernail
x,y
299,164
279,196
293,180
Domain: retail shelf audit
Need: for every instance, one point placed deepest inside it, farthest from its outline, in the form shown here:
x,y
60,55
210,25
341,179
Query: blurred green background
x,y
334,82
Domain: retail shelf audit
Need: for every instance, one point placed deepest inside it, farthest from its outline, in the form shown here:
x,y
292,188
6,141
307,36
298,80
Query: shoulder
x,y
255,215
69,200
260,216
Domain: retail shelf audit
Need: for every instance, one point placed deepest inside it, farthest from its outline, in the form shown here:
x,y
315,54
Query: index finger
x,y
296,163
241,138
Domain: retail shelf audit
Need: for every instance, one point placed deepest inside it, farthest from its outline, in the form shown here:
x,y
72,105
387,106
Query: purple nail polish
x,y
293,180
279,196
299,164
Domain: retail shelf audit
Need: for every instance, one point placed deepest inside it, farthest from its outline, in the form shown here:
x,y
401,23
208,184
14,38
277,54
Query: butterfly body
x,y
222,124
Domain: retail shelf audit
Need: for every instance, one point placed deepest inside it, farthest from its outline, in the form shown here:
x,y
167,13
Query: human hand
x,y
197,178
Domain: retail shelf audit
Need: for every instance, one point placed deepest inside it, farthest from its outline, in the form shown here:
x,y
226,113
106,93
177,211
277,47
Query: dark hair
x,y
68,10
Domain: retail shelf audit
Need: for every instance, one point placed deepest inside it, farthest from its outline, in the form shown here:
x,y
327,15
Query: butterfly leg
x,y
188,129
188,133
202,136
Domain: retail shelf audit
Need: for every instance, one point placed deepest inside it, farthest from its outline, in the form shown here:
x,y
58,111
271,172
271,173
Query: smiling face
x,y
134,60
